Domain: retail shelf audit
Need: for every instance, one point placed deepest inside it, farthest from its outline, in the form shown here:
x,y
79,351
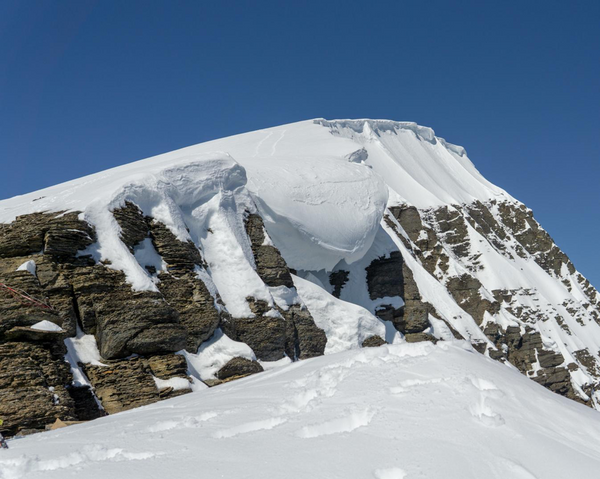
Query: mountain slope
x,y
398,411
276,245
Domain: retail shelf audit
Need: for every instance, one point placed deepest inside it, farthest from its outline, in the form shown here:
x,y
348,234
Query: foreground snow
x,y
399,411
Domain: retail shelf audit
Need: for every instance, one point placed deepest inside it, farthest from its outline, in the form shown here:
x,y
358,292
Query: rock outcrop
x,y
50,276
238,368
389,278
441,240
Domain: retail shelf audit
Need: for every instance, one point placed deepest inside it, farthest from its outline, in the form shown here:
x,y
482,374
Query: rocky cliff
x,y
193,268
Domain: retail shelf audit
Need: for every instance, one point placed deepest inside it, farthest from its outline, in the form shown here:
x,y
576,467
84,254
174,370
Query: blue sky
x,y
87,85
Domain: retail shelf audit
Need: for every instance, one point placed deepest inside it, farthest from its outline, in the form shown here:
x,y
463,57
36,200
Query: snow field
x,y
397,411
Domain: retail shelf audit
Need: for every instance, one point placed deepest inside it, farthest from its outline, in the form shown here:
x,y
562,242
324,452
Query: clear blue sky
x,y
87,85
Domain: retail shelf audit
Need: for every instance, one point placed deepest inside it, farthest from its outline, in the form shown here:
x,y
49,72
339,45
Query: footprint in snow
x,y
348,423
482,411
408,384
250,427
185,422
85,456
391,473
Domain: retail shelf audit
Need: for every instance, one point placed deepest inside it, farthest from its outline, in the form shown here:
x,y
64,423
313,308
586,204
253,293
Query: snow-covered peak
x,y
319,184
426,171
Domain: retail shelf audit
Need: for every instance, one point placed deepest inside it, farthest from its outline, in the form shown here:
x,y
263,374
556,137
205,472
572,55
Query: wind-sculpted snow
x,y
163,189
320,186
319,210
423,169
400,411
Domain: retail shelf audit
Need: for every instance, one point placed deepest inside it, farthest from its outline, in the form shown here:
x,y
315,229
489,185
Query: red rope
x,y
24,295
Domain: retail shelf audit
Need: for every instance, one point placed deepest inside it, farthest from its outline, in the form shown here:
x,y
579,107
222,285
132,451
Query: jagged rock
x,y
56,234
534,239
33,380
373,342
389,277
522,348
550,359
126,384
385,277
167,366
273,333
86,406
415,323
303,338
67,235
465,290
123,385
453,230
338,279
213,382
496,354
189,296
16,311
428,249
270,265
419,337
23,333
24,236
481,218
410,220
588,361
239,367
265,334
293,330
557,380
180,256
134,227
125,322
479,346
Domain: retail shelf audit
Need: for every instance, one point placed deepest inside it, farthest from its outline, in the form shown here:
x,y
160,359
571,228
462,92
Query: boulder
x,y
373,342
239,367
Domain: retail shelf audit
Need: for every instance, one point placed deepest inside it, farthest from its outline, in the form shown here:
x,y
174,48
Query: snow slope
x,y
323,189
400,411
318,190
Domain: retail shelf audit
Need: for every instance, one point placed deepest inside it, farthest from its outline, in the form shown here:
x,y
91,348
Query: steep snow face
x,y
320,185
403,411
319,211
320,208
425,170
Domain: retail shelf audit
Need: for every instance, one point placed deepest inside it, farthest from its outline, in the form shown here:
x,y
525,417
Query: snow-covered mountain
x,y
225,258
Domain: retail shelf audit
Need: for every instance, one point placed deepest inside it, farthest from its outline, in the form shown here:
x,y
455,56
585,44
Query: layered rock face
x,y
184,270
47,278
512,319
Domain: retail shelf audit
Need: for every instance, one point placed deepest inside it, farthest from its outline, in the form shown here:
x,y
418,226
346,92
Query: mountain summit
x,y
213,262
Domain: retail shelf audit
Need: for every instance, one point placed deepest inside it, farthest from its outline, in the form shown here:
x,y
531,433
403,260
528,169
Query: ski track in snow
x,y
274,145
259,144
